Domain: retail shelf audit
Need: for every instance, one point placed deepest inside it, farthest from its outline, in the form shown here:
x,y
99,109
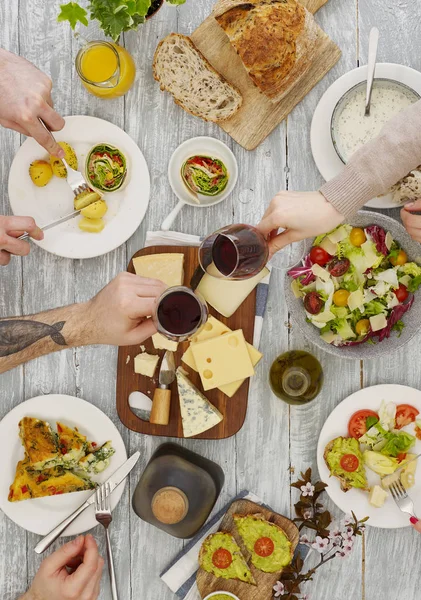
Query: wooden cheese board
x,y
258,116
208,583
233,409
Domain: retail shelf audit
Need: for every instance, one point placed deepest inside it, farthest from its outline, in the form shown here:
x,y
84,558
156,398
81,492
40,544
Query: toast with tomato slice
x,y
345,462
221,556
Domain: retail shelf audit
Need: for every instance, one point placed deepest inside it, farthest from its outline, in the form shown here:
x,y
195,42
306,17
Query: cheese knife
x,y
161,403
114,481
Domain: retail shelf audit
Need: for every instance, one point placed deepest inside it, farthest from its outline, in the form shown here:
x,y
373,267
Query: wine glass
x,y
179,313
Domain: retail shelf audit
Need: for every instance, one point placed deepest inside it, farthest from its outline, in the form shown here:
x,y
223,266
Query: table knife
x,y
116,478
161,403
72,215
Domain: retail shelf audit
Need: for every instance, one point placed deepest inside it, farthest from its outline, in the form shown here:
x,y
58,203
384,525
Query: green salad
x,y
106,167
356,284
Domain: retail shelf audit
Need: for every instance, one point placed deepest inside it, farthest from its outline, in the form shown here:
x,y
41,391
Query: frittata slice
x,y
97,461
40,443
72,444
221,556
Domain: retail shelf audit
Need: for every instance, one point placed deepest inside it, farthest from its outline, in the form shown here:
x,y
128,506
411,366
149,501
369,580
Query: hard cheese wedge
x,y
226,295
160,342
215,328
222,360
197,413
145,364
165,267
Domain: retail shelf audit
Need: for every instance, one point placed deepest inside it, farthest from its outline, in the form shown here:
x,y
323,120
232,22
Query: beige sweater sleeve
x,y
379,164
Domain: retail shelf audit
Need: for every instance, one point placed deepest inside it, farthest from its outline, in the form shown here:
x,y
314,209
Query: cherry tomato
x,y
313,303
340,298
401,456
405,414
401,293
338,267
264,547
362,327
418,432
349,462
357,423
319,256
357,237
222,558
400,259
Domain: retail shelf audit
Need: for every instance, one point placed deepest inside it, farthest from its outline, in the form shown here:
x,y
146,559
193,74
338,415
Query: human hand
x,y
415,524
10,229
118,313
25,96
53,580
412,222
301,214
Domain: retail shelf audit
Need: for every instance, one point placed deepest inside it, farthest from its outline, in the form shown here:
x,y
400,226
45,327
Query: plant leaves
x,y
73,13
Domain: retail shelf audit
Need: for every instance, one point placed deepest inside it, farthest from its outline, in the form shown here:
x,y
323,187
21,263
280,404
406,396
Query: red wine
x,y
225,255
179,312
241,252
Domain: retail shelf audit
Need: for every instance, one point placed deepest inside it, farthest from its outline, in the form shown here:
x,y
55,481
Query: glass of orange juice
x,y
106,69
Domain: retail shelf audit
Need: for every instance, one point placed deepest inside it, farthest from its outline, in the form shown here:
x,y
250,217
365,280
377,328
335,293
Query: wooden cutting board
x,y
234,409
207,583
258,116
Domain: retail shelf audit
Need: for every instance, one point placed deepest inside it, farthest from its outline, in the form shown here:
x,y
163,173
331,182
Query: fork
x,y
76,181
401,498
104,517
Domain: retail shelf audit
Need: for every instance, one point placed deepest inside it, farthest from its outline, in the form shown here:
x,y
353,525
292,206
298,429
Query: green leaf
x,y
414,284
399,326
176,1
370,421
73,13
117,16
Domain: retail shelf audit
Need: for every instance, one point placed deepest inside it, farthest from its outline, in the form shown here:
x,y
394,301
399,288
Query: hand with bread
x,y
72,571
25,96
301,214
10,229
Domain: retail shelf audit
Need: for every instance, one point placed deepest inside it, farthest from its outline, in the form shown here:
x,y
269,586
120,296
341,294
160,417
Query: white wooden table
x,y
275,436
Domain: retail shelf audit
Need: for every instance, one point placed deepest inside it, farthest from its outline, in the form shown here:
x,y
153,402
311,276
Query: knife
x,y
161,403
114,481
72,215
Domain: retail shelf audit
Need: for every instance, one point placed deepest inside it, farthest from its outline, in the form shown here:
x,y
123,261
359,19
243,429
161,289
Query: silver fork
x,y
401,498
103,515
76,181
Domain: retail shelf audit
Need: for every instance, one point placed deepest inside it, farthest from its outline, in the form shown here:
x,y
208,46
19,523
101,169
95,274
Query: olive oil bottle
x,y
296,377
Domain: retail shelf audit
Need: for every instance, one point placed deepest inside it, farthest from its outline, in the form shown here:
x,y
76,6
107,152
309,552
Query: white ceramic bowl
x,y
213,594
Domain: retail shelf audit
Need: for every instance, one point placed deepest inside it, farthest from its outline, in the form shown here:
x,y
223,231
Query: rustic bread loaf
x,y
276,40
195,85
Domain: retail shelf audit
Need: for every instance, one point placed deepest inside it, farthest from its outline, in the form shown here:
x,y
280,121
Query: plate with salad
x,y
365,440
355,292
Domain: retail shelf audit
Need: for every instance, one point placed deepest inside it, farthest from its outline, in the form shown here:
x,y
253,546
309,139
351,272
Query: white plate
x,y
389,516
126,207
324,153
40,515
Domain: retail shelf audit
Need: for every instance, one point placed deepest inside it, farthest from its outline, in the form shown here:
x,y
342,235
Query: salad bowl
x,y
411,319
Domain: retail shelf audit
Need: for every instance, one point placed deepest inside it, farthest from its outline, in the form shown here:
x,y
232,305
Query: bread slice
x,y
182,70
345,484
238,569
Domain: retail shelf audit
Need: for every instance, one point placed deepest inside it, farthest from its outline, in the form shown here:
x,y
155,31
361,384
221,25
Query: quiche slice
x,y
72,444
97,460
268,544
29,483
40,443
221,556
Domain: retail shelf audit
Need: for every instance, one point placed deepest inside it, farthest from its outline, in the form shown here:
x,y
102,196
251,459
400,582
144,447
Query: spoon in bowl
x,y
372,56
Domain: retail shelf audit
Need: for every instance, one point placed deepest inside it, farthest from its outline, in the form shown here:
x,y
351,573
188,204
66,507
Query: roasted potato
x,y
40,172
96,210
91,225
85,199
70,157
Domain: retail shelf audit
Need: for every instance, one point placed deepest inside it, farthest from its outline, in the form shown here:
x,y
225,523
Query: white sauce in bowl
x,y
351,129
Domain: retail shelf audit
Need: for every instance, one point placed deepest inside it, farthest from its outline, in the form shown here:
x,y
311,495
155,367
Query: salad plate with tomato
x,y
355,292
368,441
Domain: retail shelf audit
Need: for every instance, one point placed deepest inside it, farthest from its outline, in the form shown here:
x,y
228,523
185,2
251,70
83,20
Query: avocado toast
x,y
345,461
221,556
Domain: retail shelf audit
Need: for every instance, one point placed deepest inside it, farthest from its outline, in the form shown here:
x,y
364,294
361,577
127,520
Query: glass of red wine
x,y
180,313
234,252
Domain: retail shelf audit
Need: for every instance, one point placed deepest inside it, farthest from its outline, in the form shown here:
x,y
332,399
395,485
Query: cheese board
x,y
233,409
208,583
258,116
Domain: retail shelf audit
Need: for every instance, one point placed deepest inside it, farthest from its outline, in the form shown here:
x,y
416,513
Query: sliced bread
x,y
195,85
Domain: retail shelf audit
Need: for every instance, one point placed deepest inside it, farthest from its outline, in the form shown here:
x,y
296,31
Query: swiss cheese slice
x,y
165,267
226,295
222,360
197,413
214,328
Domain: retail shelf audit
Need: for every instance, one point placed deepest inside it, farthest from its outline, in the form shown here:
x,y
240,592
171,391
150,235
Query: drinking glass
x,y
180,313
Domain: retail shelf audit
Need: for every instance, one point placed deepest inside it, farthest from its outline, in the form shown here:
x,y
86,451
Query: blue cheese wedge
x,y
197,413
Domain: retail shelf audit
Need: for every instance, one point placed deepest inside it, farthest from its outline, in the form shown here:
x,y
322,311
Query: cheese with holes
x,y
165,267
226,295
214,328
222,360
145,364
160,342
197,413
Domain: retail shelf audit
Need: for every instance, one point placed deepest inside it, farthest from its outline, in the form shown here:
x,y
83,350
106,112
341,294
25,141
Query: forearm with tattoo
x,y
26,338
